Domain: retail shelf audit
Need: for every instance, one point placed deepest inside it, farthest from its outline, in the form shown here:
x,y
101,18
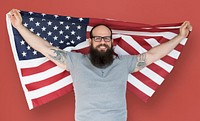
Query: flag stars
x,y
22,42
61,32
55,37
78,27
34,52
28,47
49,23
45,38
78,38
72,42
61,22
73,32
49,33
43,14
80,19
43,28
24,54
67,27
30,13
56,16
32,30
31,19
37,24
61,42
68,17
25,24
50,43
55,27
66,37
38,34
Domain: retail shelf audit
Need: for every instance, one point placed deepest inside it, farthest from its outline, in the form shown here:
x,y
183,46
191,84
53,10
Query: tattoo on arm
x,y
141,63
60,56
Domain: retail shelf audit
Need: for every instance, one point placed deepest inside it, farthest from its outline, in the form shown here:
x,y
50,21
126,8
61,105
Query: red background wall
x,y
176,100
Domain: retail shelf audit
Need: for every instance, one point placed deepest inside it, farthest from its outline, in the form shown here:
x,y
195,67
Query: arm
x,y
54,54
161,50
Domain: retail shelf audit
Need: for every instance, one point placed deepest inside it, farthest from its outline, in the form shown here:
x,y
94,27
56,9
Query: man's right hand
x,y
15,18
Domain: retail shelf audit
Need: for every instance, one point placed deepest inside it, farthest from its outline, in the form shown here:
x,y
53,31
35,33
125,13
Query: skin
x,y
58,56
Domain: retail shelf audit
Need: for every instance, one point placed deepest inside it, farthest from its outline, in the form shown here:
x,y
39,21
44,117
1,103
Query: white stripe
x,y
153,42
32,62
120,51
141,86
12,42
152,75
134,44
167,67
42,75
50,88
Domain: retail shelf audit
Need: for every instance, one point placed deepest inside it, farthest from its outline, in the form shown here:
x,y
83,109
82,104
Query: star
x,y
61,42
66,37
55,37
78,37
49,23
37,24
35,52
43,28
51,43
55,27
22,42
67,27
61,22
68,43
68,17
38,34
80,19
25,24
56,16
61,32
49,33
32,30
23,54
72,42
28,47
78,27
45,38
43,14
30,13
31,19
73,32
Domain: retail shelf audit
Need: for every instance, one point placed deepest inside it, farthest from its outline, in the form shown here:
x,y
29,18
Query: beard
x,y
101,59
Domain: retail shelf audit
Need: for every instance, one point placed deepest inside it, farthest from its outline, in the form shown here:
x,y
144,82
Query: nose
x,y
102,41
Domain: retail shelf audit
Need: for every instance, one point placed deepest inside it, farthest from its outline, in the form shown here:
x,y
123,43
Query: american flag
x,y
43,81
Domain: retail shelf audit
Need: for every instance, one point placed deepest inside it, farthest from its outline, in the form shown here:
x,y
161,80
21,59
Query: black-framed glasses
x,y
99,38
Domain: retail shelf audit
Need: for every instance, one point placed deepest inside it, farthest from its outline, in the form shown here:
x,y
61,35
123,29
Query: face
x,y
101,46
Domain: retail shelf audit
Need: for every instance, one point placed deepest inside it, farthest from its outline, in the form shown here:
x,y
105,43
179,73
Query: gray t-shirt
x,y
100,93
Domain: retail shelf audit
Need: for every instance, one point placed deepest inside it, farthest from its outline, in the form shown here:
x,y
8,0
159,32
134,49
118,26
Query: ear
x,y
90,40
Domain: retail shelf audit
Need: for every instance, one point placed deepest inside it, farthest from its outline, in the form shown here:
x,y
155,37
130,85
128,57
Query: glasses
x,y
99,38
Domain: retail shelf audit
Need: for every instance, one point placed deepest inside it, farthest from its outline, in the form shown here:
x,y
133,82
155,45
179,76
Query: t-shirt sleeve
x,y
72,59
131,62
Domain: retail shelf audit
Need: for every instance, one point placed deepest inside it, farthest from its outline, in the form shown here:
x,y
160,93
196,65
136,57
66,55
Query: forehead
x,y
101,31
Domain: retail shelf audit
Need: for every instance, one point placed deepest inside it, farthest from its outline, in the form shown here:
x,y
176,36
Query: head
x,y
101,49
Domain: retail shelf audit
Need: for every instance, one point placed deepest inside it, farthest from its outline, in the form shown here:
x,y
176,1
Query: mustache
x,y
102,45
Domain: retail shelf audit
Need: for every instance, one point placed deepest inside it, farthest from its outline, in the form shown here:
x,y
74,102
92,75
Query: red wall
x,y
178,98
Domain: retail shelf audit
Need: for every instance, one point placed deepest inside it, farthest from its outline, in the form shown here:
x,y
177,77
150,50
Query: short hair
x,y
91,35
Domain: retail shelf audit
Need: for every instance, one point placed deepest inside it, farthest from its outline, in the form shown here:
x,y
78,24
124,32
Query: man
x,y
101,82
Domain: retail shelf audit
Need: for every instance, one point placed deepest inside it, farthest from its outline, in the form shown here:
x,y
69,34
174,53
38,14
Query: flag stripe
x,y
51,96
46,82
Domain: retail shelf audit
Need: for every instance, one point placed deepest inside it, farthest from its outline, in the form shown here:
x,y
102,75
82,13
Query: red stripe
x,y
157,69
144,79
120,25
46,82
51,96
137,92
128,48
34,70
